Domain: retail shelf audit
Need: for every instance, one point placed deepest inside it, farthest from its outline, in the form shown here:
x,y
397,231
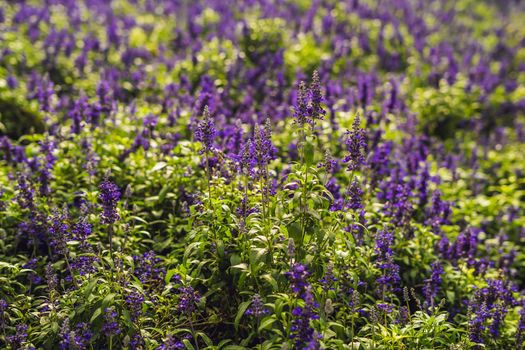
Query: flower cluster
x,y
189,298
134,302
308,108
433,284
205,132
257,308
389,278
301,330
77,338
109,197
148,269
214,115
357,146
489,305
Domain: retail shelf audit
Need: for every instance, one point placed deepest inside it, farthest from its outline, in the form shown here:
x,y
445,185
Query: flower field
x,y
262,174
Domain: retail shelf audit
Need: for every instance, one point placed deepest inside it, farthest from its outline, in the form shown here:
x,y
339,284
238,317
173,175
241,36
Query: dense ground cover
x,y
269,174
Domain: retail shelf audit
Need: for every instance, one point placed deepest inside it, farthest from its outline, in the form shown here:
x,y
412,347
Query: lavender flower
x,y
188,300
103,96
84,264
297,276
355,194
308,106
110,327
148,270
384,261
173,343
328,279
246,158
46,148
356,144
397,195
44,94
51,278
25,196
301,330
439,211
489,306
257,308
32,265
466,245
136,342
317,111
205,132
385,307
301,108
78,113
81,231
18,339
432,285
379,161
134,302
109,196
263,149
329,163
58,233
79,338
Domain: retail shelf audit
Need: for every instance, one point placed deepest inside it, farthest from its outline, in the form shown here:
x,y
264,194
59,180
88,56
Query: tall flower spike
x,y
357,147
257,308
263,148
134,301
317,111
110,327
19,337
432,286
246,161
297,276
188,300
301,331
301,107
355,194
389,278
109,196
329,163
205,132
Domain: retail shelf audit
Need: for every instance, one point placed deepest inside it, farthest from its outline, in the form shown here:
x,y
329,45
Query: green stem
x,y
210,203
302,200
110,234
245,233
70,271
194,336
261,185
352,336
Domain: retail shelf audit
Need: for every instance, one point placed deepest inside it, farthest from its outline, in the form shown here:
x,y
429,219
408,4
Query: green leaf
x,y
158,166
96,314
309,153
242,309
108,300
163,192
269,278
266,323
188,344
206,339
89,288
241,266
